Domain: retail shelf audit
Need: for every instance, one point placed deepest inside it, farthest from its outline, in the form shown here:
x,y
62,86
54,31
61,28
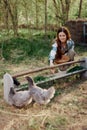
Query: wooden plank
x,y
54,77
59,76
46,68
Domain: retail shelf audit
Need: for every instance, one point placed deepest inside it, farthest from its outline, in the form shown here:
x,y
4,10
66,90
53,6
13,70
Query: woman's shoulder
x,y
70,44
70,41
54,44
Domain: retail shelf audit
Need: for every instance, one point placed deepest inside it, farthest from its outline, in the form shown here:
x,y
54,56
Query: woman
x,y
62,49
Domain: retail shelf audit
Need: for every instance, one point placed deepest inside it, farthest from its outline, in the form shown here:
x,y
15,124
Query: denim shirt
x,y
70,45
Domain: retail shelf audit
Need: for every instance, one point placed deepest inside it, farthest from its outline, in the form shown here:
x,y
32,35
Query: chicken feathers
x,y
19,99
39,95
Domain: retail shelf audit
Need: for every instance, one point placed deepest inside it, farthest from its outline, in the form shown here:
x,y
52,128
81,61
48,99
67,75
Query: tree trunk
x,y
80,8
45,18
26,14
13,15
6,17
37,14
57,12
62,10
67,8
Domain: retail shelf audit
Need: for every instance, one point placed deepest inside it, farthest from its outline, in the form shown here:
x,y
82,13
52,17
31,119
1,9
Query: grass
x,y
16,49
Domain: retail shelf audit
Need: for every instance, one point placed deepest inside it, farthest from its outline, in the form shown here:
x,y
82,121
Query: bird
x,y
39,95
19,98
16,82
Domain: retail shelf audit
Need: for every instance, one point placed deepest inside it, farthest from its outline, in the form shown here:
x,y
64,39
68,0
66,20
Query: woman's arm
x,y
52,53
52,56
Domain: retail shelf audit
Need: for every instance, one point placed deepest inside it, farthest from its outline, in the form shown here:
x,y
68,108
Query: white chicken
x,y
39,95
13,97
20,98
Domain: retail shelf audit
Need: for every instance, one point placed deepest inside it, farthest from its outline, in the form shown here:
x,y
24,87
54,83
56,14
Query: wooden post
x,y
8,83
84,64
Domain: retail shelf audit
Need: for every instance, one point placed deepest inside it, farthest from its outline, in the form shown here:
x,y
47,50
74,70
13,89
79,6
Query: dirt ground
x,y
67,111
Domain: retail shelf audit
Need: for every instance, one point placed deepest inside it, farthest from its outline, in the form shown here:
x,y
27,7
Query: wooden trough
x,y
83,72
8,79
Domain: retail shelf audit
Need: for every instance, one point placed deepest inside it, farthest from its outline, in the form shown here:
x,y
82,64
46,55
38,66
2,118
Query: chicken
x,y
16,82
39,95
11,96
20,98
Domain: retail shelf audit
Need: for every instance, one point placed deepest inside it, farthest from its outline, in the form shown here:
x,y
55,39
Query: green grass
x,y
81,50
22,47
75,68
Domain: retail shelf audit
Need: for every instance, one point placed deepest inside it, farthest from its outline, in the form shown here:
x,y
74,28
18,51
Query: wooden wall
x,y
76,29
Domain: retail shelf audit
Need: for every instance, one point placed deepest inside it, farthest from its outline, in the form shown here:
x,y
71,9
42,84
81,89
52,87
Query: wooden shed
x,y
78,29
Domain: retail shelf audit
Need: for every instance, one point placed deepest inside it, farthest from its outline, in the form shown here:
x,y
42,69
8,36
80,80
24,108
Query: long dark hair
x,y
68,36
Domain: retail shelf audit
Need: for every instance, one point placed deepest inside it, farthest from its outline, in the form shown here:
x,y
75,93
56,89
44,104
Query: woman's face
x,y
62,37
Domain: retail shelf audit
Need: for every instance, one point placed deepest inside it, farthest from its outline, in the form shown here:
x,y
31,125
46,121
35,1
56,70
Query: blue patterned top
x,y
70,45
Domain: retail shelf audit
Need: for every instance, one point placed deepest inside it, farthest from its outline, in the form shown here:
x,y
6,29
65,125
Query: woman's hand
x,y
52,70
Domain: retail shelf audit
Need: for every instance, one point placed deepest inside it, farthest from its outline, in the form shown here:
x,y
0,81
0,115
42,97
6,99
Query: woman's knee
x,y
71,54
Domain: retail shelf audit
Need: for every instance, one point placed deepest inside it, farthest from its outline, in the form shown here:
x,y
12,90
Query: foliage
x,y
26,13
39,78
80,50
16,49
75,68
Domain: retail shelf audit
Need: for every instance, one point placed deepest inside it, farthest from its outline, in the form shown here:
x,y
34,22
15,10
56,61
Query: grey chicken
x,y
16,82
20,98
39,95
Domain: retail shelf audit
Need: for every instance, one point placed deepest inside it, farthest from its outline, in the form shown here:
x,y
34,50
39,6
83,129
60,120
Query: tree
x,y
45,17
37,11
80,8
12,8
62,9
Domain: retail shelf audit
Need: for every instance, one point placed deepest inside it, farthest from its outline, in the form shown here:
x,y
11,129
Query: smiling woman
x,y
62,49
